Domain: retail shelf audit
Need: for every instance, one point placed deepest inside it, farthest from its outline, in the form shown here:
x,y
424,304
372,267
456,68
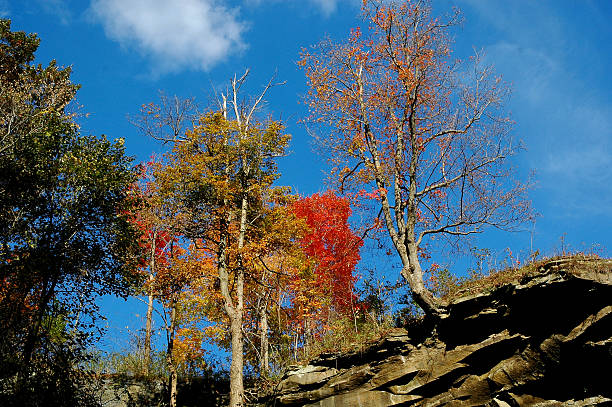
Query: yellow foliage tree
x,y
213,182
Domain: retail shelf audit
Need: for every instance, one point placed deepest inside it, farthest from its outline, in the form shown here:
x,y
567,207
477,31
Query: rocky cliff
x,y
545,340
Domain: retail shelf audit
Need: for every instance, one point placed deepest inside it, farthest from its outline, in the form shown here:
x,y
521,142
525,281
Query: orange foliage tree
x,y
173,285
173,269
426,134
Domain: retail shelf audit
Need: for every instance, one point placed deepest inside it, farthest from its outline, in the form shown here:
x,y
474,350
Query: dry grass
x,y
570,264
345,337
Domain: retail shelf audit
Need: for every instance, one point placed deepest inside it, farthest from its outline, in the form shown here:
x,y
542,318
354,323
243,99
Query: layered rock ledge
x,y
543,341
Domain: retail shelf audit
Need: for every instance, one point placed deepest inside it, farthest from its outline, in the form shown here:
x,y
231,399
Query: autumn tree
x,y
174,271
64,235
274,265
423,132
331,252
165,121
166,276
170,284
215,178
154,242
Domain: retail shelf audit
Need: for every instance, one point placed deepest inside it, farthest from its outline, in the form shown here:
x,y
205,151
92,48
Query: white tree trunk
x,y
149,323
170,356
264,353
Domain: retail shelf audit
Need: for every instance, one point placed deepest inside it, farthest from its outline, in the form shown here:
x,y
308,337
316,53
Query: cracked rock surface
x,y
545,341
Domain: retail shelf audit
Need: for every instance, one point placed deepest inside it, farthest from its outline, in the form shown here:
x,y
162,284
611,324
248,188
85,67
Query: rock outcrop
x,y
543,341
125,391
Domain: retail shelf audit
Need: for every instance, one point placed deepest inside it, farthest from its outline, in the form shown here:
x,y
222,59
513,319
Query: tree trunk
x,y
33,334
149,323
262,310
234,311
173,387
236,317
306,340
170,355
148,329
234,314
421,295
264,362
236,380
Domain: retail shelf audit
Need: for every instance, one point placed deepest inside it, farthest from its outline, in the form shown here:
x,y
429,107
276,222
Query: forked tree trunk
x,y
234,313
400,217
234,310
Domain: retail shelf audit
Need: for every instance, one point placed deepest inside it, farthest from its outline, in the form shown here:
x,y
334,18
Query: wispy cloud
x,y
4,8
564,118
532,70
176,35
57,8
325,7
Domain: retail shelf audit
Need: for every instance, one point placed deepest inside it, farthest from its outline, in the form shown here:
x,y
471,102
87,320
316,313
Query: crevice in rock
x,y
405,379
440,384
484,359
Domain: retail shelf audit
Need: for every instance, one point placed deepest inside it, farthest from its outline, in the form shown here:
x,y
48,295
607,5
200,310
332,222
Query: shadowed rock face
x,y
546,341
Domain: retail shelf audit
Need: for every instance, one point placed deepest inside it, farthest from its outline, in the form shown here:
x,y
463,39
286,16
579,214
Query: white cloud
x,y
192,34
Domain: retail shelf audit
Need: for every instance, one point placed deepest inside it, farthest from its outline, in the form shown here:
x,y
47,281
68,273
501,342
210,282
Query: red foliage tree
x,y
332,245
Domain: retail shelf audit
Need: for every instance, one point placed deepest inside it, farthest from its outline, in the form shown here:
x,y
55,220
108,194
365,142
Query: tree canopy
x,y
64,235
426,135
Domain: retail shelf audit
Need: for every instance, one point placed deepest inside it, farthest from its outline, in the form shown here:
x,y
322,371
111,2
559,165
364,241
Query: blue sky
x,y
557,55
